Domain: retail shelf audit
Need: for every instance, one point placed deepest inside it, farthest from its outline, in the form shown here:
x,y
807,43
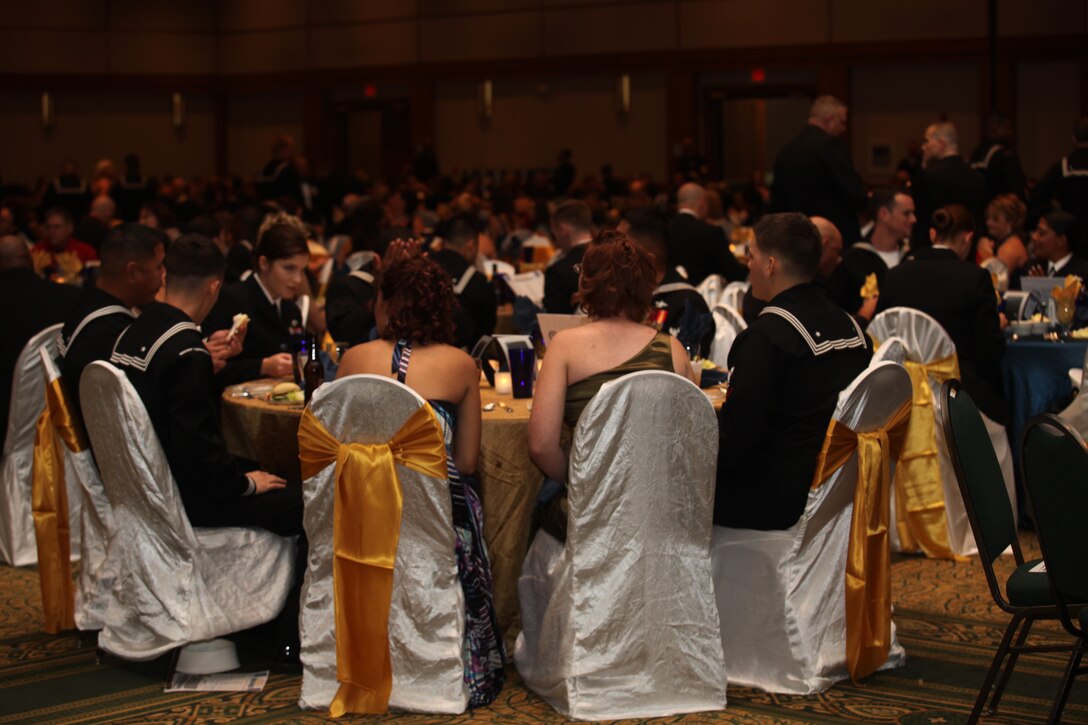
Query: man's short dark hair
x,y
128,242
575,213
883,197
792,239
205,225
191,260
458,232
650,228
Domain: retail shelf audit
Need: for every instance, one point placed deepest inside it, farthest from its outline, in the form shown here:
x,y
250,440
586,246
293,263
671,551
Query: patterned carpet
x,y
944,616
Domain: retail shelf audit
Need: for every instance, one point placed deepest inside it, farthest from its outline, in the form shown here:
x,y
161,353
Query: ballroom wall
x,y
254,120
263,36
90,126
891,104
1044,123
532,120
252,68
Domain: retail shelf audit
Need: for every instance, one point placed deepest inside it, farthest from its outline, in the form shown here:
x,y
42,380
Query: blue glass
x,y
522,362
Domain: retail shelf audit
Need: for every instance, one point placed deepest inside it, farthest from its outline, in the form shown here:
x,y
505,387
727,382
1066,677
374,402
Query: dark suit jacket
x,y
1001,168
349,308
561,282
702,250
269,332
813,174
961,297
845,284
942,182
28,305
477,299
1076,265
1064,183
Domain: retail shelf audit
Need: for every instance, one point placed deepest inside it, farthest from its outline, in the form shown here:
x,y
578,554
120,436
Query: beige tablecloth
x,y
509,481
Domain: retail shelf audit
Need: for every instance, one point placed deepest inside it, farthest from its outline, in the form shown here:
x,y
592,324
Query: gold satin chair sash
x,y
868,562
49,502
919,491
366,527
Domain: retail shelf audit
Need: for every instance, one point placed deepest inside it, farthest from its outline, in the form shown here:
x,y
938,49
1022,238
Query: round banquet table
x,y
1036,378
267,433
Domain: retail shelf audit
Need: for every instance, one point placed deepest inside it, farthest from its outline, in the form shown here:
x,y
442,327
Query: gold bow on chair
x,y
868,564
919,491
49,500
366,528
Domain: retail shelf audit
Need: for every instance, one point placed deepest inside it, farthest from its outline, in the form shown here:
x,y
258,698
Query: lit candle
x,y
503,384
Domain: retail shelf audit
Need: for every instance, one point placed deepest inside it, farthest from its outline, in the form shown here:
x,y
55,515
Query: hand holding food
x,y
241,321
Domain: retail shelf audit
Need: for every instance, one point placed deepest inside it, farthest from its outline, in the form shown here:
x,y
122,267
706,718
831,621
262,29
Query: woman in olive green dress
x,y
615,288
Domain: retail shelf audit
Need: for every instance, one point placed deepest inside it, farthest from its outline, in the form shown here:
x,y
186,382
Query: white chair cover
x,y
1000,272
733,295
890,350
1076,413
18,546
427,612
176,584
711,289
728,323
620,622
782,594
926,342
97,569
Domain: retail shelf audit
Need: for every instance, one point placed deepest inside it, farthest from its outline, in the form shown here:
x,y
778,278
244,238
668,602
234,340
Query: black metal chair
x,y
1054,463
1025,595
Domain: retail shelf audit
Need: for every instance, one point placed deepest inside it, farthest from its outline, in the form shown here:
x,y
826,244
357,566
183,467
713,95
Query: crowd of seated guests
x,y
300,254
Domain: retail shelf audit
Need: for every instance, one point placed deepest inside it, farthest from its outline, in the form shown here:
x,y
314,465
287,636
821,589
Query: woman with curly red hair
x,y
615,288
414,312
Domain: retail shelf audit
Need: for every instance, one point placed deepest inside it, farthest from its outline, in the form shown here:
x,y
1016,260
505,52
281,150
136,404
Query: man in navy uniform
x,y
788,368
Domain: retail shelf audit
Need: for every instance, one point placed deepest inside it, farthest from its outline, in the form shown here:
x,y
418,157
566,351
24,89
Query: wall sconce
x,y
623,94
486,94
47,111
177,115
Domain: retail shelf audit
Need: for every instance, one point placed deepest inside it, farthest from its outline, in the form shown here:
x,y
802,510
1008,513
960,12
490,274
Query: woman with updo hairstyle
x,y
615,288
414,313
1004,218
267,296
954,228
959,295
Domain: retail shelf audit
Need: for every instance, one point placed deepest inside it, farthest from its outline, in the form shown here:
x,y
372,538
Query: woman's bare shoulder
x,y
574,336
364,358
449,358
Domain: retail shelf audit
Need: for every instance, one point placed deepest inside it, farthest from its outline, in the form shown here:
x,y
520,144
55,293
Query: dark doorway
x,y
375,136
746,126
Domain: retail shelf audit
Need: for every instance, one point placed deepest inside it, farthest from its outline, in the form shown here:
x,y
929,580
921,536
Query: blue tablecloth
x,y
1036,377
